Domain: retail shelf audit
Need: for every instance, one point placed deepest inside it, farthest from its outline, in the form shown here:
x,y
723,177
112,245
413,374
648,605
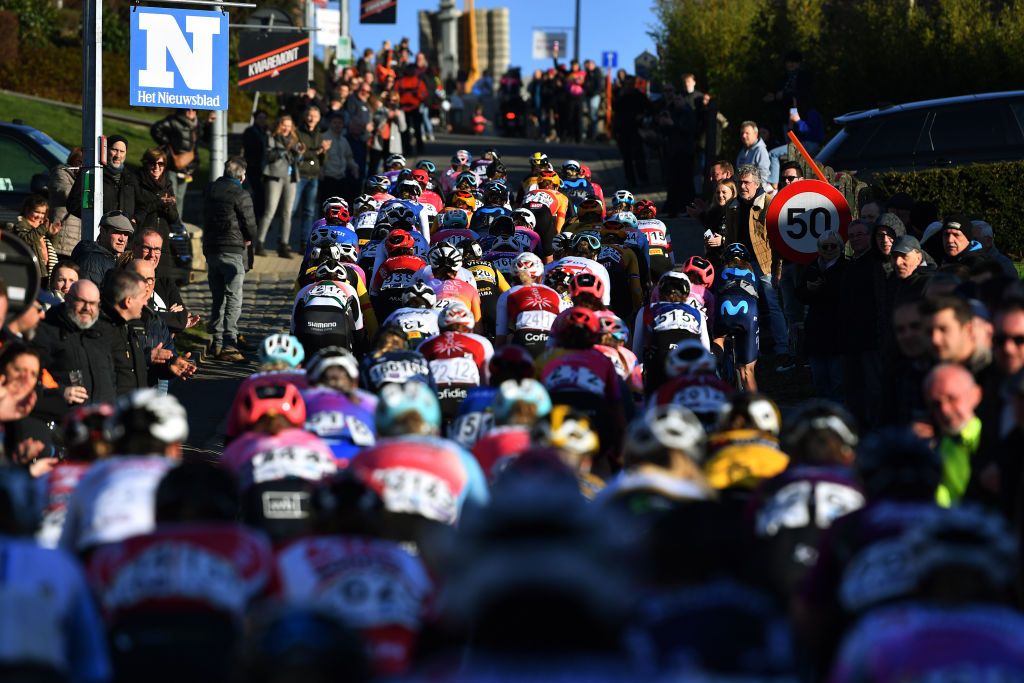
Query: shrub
x,y
989,192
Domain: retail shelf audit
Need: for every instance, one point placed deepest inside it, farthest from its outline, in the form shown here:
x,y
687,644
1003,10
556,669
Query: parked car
x,y
917,136
28,155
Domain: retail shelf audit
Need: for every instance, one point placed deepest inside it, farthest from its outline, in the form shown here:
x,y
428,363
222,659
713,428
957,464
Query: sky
x,y
617,25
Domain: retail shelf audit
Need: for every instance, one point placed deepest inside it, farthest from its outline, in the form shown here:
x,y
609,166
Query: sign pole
x,y
219,139
576,35
807,157
608,103
92,116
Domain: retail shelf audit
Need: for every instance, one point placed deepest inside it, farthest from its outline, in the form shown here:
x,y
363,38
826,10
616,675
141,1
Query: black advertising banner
x,y
378,11
272,61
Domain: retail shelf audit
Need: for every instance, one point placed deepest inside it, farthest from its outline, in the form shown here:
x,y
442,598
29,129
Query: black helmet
x,y
495,194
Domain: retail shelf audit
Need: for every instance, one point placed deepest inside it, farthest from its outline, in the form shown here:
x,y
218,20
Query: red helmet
x,y
700,270
511,362
421,176
338,212
265,394
399,239
586,283
585,171
575,318
645,208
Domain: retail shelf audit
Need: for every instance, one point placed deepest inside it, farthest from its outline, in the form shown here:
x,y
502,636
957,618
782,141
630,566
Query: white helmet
x,y
526,216
666,427
456,313
623,197
445,255
421,290
331,356
689,357
530,263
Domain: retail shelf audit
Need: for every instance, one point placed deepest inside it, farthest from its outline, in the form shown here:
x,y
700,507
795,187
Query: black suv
x,y
953,131
27,157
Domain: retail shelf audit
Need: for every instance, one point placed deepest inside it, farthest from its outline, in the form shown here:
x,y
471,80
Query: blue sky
x,y
604,25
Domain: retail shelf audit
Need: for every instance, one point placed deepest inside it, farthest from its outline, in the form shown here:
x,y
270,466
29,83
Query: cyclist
x,y
490,283
396,274
364,217
623,269
590,215
378,187
428,196
517,406
702,277
704,394
408,192
452,227
544,206
550,182
418,315
525,222
665,323
622,200
636,240
450,281
744,449
737,314
390,361
459,164
475,416
336,410
393,166
495,199
504,249
561,245
587,290
458,358
598,190
280,352
659,241
612,343
526,312
574,186
538,162
328,313
585,248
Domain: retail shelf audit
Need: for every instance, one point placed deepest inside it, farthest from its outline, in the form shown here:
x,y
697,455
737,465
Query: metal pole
x,y
343,6
311,14
92,116
576,35
219,140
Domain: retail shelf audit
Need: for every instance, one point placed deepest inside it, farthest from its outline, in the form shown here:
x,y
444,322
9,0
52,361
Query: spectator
x,y
340,172
862,305
178,136
157,340
871,212
716,234
312,148
952,397
123,298
279,181
300,104
62,180
254,148
909,273
677,127
70,342
35,229
64,274
907,361
888,228
388,127
982,233
95,259
155,204
951,329
166,299
818,287
754,152
956,244
412,95
360,124
230,223
22,328
118,186
628,111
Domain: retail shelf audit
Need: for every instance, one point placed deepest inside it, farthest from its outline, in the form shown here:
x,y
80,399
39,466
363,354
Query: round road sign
x,y
800,213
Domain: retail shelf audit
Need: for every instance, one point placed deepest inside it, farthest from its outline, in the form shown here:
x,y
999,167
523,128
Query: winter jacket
x,y
756,155
66,347
230,218
165,295
181,134
768,261
127,345
822,325
279,160
94,261
38,240
62,180
118,194
862,303
308,163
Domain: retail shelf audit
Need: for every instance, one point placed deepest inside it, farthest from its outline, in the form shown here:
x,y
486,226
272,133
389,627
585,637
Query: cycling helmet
x,y
444,256
571,165
689,357
365,202
395,212
491,153
586,241
548,174
495,194
613,325
378,183
348,252
530,263
737,250
524,218
456,313
469,178
330,357
896,463
587,283
463,199
575,318
82,431
397,400
497,170
196,492
399,239
420,290
150,413
282,348
511,362
265,394
323,236
966,537
471,249
613,227
590,210
21,499
453,219
334,271
623,197
562,241
410,186
645,209
538,160
335,210
462,158
700,268
511,392
626,218
585,171
558,278
665,427
421,177
817,415
395,159
751,409
427,165
505,242
674,280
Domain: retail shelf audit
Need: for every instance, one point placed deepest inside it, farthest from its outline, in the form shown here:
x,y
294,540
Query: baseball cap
x,y
905,244
117,221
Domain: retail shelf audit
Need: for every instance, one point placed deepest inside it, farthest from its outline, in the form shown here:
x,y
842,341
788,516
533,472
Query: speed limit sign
x,y
801,213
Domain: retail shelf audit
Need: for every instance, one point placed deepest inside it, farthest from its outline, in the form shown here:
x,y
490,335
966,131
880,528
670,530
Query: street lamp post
x,y
576,35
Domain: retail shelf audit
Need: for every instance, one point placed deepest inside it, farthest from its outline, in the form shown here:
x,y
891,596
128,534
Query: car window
x,y
50,145
19,165
973,127
895,136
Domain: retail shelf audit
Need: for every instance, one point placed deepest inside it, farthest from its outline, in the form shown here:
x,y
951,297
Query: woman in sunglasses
x,y
155,205
818,287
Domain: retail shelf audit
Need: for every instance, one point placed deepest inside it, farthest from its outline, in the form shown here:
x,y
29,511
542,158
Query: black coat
x,y
66,347
167,290
862,303
152,212
822,336
127,345
181,135
119,193
94,261
230,219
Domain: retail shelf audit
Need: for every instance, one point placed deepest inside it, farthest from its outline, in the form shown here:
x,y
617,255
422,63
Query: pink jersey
x,y
373,585
457,289
452,236
458,358
626,365
704,299
498,444
527,307
218,567
587,371
255,458
528,239
433,199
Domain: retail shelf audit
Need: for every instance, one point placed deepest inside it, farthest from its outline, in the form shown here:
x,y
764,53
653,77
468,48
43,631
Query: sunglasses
x,y
1001,339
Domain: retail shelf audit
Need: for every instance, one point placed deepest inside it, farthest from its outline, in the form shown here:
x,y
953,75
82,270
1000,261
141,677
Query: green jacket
x,y
956,453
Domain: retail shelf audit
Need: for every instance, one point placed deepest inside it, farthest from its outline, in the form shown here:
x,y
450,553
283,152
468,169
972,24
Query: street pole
x,y
576,35
219,139
92,116
343,4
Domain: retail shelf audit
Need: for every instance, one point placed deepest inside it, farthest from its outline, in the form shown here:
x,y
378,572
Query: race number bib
x,y
291,461
567,377
467,429
334,424
455,371
676,319
417,492
401,280
369,595
535,320
790,507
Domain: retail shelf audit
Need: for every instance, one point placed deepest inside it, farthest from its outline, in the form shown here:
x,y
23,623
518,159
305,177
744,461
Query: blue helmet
x,y
282,348
397,400
526,390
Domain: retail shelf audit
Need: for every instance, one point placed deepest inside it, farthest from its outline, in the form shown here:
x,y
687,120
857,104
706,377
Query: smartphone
x,y
708,235
793,111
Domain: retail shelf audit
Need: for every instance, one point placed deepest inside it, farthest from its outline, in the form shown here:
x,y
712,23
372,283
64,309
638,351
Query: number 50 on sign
x,y
801,213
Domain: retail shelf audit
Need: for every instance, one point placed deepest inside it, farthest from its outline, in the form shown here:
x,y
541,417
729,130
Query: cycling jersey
x,y
474,417
452,236
458,361
422,222
391,281
499,444
504,261
327,314
113,501
621,264
425,476
209,567
484,216
457,290
577,190
490,284
626,366
556,203
394,367
526,312
743,459
256,458
433,199
523,239
704,300
447,181
578,264
737,315
663,326
57,485
374,585
345,424
586,371
420,247
703,394
48,617
418,323
649,488
364,225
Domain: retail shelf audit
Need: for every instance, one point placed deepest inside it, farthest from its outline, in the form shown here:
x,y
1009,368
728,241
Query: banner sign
x,y
378,11
328,24
343,55
268,61
544,43
178,58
